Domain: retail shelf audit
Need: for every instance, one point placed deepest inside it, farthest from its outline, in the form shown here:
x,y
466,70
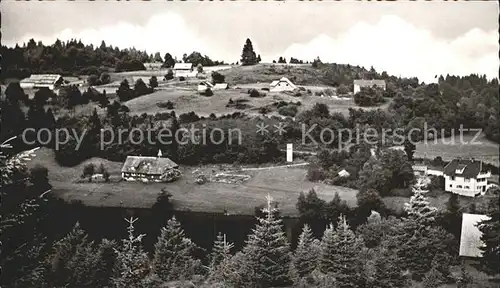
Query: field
x,y
451,148
283,184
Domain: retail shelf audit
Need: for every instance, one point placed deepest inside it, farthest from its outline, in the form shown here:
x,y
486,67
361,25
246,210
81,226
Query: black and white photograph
x,y
249,144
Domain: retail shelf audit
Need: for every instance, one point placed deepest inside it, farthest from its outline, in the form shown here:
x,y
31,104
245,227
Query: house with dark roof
x,y
146,169
359,83
466,177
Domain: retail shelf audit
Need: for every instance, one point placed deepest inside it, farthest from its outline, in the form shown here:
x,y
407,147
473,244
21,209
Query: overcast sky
x,y
410,39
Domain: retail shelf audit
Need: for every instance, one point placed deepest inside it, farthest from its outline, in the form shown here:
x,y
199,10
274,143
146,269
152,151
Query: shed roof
x,y
470,238
147,165
183,66
369,83
42,79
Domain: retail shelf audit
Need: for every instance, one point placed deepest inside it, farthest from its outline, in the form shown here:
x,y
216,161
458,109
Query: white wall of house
x,y
434,172
467,186
356,88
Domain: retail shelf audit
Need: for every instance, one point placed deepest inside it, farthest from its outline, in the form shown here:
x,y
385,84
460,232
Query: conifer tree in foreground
x,y
339,255
305,258
388,272
132,265
419,208
219,259
173,258
74,260
267,251
490,230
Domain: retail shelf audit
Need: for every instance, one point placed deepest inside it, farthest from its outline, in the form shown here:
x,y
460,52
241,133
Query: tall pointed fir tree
x,y
132,265
305,258
340,255
173,258
73,261
267,251
419,208
219,259
248,56
387,272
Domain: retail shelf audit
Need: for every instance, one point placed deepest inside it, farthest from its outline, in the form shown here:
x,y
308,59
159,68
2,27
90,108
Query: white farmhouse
x,y
470,238
466,177
282,85
358,84
182,69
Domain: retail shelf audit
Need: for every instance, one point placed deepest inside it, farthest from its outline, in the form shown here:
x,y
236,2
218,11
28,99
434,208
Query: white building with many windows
x,y
466,177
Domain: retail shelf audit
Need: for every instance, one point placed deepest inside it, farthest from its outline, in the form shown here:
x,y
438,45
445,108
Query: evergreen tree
x,y
153,82
267,251
339,255
174,147
248,56
173,258
23,246
219,259
305,258
74,261
388,272
124,92
132,263
434,278
465,279
419,208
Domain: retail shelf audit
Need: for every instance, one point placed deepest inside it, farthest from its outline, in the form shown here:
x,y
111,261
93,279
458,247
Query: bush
x,y
207,92
88,170
265,89
264,110
188,117
289,110
169,75
218,78
182,78
255,93
105,78
93,80
168,105
368,97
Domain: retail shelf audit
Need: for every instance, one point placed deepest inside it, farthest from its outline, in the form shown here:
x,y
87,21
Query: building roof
x,y
147,165
221,86
284,79
470,238
183,66
471,168
369,83
42,79
208,84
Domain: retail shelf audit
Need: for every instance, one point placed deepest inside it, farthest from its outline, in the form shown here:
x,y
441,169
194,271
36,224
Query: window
x,y
467,187
459,186
453,178
451,185
467,180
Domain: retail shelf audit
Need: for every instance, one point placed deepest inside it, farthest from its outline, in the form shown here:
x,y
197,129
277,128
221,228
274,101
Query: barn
x,y
284,84
183,69
37,81
149,169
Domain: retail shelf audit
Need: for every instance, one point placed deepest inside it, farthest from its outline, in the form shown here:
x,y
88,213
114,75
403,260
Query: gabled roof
x,y
470,238
471,168
369,83
147,165
183,66
42,79
285,80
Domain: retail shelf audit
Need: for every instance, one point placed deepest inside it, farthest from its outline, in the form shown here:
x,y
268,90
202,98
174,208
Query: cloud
x,y
162,33
400,48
